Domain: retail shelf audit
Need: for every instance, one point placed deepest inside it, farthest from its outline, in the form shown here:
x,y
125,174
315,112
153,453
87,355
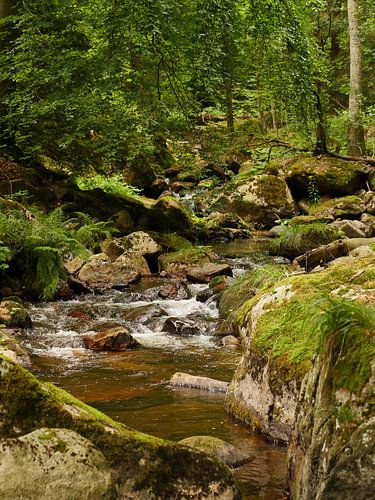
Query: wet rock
x,y
178,186
143,314
178,327
204,295
77,286
63,291
14,314
177,290
225,452
205,273
204,383
11,348
53,463
112,338
157,188
100,273
140,464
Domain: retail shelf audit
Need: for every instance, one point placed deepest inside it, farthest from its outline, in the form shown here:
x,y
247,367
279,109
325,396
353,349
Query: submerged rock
x,y
141,466
196,382
53,463
226,452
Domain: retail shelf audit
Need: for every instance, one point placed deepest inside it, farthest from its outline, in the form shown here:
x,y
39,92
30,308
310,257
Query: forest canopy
x,y
101,82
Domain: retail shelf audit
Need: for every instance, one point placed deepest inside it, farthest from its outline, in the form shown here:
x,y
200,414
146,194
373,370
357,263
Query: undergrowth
x,y
35,243
113,184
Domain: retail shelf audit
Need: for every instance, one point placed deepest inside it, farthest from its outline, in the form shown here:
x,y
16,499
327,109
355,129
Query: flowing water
x,y
132,386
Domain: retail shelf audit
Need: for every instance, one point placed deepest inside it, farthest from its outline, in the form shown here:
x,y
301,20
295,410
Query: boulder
x,y
205,273
196,382
278,327
369,199
179,262
111,338
168,214
53,463
351,229
347,207
143,314
327,175
135,243
14,314
101,273
225,452
301,238
72,266
123,222
141,466
230,342
259,201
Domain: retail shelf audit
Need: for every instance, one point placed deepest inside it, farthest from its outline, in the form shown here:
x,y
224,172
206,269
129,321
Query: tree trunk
x,y
229,107
356,143
321,134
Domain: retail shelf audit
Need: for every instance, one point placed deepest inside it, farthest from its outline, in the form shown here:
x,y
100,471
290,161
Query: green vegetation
x,y
39,242
113,184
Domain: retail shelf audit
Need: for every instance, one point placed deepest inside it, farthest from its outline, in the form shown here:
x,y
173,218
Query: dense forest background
x,y
102,84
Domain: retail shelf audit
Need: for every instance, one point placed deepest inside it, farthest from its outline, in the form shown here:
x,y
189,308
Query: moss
x,y
185,258
337,206
171,241
301,238
289,334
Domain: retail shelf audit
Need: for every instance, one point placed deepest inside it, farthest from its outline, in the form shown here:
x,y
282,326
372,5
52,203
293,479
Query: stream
x,y
132,386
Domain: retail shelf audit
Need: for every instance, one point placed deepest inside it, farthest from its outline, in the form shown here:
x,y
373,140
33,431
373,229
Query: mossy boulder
x,y
53,463
345,207
322,174
14,314
281,338
138,242
168,214
142,466
180,262
298,239
258,201
171,242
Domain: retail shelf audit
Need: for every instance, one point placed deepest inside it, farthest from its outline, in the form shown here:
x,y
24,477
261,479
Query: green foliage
x,y
348,328
313,190
39,244
113,184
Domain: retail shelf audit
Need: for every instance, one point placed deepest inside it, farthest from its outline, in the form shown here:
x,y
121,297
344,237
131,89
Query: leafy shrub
x,y
113,184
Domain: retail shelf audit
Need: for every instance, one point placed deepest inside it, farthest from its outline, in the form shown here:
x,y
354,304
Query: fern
x,y
48,270
5,256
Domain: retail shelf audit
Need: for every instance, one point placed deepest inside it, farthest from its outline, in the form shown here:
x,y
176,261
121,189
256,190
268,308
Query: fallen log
x,y
332,251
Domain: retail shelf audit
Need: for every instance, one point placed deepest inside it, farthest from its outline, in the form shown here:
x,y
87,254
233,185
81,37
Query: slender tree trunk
x,y
229,106
274,118
321,133
356,143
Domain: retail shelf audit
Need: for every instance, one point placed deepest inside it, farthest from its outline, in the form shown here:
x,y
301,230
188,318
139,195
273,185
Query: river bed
x,y
132,387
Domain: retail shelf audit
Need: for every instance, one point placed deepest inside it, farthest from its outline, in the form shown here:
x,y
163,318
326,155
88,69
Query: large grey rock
x,y
135,243
205,273
351,228
101,273
53,463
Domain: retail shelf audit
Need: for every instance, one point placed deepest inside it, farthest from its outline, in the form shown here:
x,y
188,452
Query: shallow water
x,y
132,387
